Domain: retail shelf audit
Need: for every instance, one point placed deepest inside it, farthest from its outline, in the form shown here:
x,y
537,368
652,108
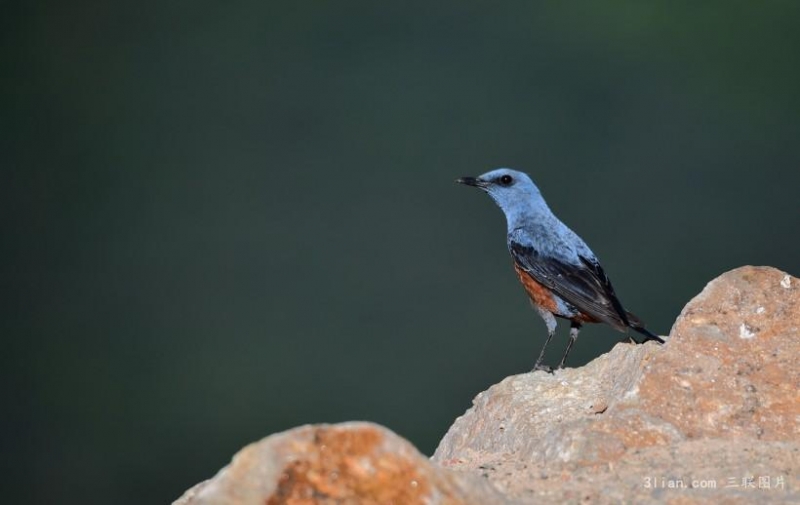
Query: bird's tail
x,y
636,324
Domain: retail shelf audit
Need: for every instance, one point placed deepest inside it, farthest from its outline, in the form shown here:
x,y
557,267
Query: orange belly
x,y
544,298
539,295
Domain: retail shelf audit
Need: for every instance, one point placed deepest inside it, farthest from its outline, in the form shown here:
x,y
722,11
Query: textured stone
x,y
712,416
349,463
542,417
731,369
719,402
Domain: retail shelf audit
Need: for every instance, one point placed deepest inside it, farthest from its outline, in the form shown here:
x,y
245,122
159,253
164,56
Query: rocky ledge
x,y
711,416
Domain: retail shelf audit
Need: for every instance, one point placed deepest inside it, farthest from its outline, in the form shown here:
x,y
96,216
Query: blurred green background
x,y
227,219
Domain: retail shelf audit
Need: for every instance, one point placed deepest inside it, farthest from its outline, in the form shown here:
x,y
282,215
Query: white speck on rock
x,y
760,310
786,282
745,332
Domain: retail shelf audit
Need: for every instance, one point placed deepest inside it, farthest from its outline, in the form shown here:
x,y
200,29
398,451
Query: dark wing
x,y
584,285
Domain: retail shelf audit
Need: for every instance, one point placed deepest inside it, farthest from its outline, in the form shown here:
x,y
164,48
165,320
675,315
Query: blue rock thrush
x,y
561,275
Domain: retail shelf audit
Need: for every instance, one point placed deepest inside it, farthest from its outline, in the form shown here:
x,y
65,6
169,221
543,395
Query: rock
x,y
712,416
349,463
717,405
731,369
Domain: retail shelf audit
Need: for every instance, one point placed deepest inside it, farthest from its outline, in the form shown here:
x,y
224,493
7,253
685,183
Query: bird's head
x,y
514,192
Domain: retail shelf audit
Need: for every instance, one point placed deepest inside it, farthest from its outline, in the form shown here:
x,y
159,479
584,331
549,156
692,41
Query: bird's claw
x,y
542,368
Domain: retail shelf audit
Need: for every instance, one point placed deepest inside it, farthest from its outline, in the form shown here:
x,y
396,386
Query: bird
x,y
560,273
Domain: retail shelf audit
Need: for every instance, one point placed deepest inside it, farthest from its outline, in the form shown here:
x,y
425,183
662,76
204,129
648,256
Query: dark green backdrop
x,y
225,219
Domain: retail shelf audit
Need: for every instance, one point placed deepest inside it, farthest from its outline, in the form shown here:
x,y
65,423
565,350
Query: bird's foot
x,y
538,367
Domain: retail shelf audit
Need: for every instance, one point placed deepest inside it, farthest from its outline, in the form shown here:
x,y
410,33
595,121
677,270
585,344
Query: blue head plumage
x,y
515,193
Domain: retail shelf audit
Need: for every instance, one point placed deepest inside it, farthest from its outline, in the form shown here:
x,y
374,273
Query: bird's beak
x,y
472,181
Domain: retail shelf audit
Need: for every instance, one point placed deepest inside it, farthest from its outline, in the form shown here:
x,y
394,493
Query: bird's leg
x,y
538,365
550,321
573,336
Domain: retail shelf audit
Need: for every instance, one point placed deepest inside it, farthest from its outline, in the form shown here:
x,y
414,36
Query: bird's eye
x,y
506,180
